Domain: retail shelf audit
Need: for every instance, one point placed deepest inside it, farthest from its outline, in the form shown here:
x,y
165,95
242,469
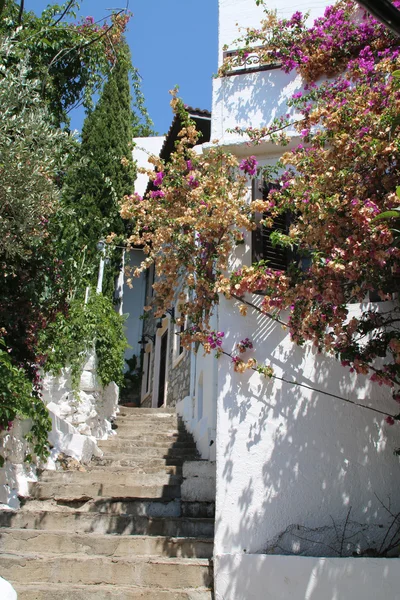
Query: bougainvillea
x,y
189,225
340,176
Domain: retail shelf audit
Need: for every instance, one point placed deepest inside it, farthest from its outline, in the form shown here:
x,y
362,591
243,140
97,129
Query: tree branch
x,y
21,11
258,309
64,13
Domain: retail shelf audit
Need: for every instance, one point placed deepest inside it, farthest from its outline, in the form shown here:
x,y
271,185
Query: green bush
x,y
17,399
70,337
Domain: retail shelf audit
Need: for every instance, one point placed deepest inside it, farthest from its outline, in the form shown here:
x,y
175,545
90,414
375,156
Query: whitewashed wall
x,y
78,422
143,148
257,98
287,455
299,578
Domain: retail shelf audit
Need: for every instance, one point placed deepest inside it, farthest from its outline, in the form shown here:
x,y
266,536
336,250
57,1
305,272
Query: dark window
x,y
163,367
181,330
262,247
147,372
150,278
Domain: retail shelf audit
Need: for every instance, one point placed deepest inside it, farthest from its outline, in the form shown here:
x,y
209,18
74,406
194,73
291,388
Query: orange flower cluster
x,y
189,224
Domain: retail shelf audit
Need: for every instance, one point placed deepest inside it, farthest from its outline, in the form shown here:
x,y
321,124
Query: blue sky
x,y
172,43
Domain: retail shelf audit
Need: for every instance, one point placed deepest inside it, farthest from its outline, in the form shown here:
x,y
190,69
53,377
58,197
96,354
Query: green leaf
x,y
388,214
396,74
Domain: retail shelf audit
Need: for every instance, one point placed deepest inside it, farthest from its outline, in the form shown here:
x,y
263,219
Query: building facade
x,y
292,462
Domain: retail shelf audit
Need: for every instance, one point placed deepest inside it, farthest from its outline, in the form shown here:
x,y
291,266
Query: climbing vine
x,y
92,326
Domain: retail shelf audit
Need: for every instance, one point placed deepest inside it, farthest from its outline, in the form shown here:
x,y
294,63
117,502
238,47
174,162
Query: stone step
x,y
105,522
136,468
150,422
86,489
198,509
127,506
139,507
60,542
37,591
129,460
161,418
153,442
146,412
158,421
104,476
149,428
152,435
172,573
123,446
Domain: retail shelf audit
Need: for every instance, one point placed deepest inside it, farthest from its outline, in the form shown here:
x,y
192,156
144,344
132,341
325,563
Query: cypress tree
x,y
106,171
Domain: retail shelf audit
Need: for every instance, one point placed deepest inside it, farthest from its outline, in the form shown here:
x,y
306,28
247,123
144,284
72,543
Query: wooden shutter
x,y
262,248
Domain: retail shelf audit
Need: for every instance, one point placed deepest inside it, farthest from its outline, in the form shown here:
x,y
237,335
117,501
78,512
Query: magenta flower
x,y
215,339
244,345
158,179
249,165
157,194
193,182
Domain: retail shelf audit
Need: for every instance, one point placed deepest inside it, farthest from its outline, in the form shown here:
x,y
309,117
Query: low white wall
x,y
77,424
15,473
90,411
260,577
198,481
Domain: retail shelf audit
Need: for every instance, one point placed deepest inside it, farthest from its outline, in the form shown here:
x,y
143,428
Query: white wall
x,y
246,13
134,297
285,454
288,455
253,99
143,148
77,423
258,577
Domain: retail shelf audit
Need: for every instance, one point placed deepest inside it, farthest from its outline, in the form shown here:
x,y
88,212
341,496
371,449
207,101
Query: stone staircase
x,y
120,530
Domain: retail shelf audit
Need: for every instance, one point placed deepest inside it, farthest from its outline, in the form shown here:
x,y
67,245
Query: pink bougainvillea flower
x,y
249,165
159,179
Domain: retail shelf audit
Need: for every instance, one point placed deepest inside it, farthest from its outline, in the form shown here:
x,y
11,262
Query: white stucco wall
x,y
256,577
289,455
77,423
143,148
285,454
134,297
257,98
